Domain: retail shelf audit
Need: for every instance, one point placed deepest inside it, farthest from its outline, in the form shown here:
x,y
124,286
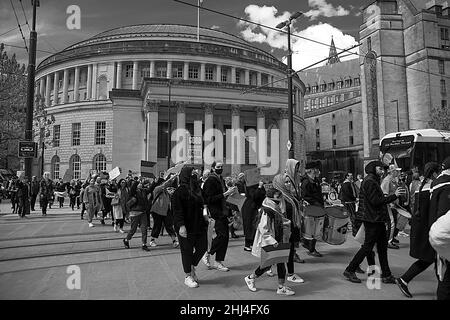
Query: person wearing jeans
x,y
137,205
373,207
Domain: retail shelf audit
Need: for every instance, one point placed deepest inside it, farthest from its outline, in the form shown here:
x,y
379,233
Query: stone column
x,y
47,90
76,85
151,109
218,73
186,71
258,79
89,83
65,85
237,142
94,81
202,71
182,150
152,69
55,88
283,124
209,126
169,70
261,135
247,76
135,75
233,75
119,75
41,87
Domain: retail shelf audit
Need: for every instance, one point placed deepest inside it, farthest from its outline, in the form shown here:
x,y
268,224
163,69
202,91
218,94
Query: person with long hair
x,y
190,224
292,208
420,247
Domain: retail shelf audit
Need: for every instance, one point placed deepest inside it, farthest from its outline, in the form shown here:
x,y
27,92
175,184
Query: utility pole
x,y
30,89
168,127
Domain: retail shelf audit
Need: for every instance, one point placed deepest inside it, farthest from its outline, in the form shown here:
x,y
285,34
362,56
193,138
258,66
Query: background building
x,y
110,97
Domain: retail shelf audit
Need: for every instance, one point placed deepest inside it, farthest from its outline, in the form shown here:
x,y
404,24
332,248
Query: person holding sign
x,y
215,194
273,230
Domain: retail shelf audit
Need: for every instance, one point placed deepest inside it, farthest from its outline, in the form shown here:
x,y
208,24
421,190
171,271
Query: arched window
x,y
75,165
102,87
55,167
100,162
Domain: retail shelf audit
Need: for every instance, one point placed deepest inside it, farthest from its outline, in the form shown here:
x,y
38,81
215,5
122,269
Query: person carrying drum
x,y
311,192
373,210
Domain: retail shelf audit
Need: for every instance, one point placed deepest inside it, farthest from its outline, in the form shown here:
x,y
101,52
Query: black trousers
x,y
192,249
83,209
61,201
119,222
72,201
158,221
416,268
33,201
281,271
375,233
135,221
443,289
290,263
310,244
219,244
44,202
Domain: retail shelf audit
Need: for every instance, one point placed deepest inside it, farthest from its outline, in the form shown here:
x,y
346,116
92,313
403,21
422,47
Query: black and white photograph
x,y
228,156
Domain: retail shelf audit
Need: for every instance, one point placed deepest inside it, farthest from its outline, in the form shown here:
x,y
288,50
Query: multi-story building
x,y
110,98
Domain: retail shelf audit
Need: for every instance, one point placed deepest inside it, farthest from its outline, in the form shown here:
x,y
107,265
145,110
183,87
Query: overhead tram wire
x,y
308,39
26,20
18,24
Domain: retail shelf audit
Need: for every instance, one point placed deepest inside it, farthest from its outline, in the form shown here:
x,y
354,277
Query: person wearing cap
x,y
440,205
389,184
420,247
311,192
373,212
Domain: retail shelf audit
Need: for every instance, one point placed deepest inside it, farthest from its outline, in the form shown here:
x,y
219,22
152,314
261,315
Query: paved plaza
x,y
35,253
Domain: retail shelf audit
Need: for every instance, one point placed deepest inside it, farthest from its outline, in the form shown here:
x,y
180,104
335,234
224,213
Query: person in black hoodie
x,y
189,222
374,214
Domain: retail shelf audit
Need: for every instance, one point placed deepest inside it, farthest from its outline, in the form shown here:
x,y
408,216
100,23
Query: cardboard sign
x,y
237,199
174,170
114,173
147,169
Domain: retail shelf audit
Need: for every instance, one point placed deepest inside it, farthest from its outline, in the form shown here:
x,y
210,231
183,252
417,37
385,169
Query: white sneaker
x,y
190,282
295,278
205,260
250,283
270,273
153,243
121,231
219,266
285,291
193,274
115,228
403,234
91,225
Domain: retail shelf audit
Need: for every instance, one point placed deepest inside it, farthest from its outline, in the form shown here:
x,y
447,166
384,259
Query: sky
x,y
321,20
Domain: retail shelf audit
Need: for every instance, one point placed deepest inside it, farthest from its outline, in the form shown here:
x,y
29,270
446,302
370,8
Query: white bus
x,y
416,147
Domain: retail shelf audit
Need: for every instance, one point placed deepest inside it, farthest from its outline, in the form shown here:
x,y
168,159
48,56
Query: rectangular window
x,y
129,71
334,129
177,71
209,73
76,133
443,104
56,135
441,66
161,71
193,72
357,82
350,140
317,133
339,85
317,145
238,76
323,87
224,75
334,142
162,139
145,72
85,96
350,125
444,34
443,89
314,89
100,132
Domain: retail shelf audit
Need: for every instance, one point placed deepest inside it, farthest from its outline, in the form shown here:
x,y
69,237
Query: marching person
x,y
34,191
46,192
190,224
311,192
420,247
215,193
23,196
389,184
92,201
292,210
270,232
72,194
440,205
118,204
61,190
83,205
372,206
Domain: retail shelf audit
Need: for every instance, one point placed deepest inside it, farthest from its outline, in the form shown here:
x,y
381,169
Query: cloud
x,y
322,8
305,52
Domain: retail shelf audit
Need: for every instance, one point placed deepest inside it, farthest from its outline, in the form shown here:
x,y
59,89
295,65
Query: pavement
x,y
36,254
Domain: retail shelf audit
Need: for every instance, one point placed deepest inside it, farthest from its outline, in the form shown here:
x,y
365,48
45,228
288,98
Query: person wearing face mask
x,y
190,224
215,194
374,215
92,201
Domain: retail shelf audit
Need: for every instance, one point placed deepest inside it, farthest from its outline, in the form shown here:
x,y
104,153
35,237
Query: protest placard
x,y
237,199
114,173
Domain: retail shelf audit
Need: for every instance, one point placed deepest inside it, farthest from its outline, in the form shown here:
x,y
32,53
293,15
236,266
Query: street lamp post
x,y
168,127
281,25
398,118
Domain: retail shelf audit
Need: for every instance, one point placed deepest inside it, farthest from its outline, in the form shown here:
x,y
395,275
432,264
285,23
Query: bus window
x,y
425,152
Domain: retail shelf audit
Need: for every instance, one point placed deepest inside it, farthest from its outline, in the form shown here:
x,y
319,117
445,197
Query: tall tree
x,y
13,95
440,118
